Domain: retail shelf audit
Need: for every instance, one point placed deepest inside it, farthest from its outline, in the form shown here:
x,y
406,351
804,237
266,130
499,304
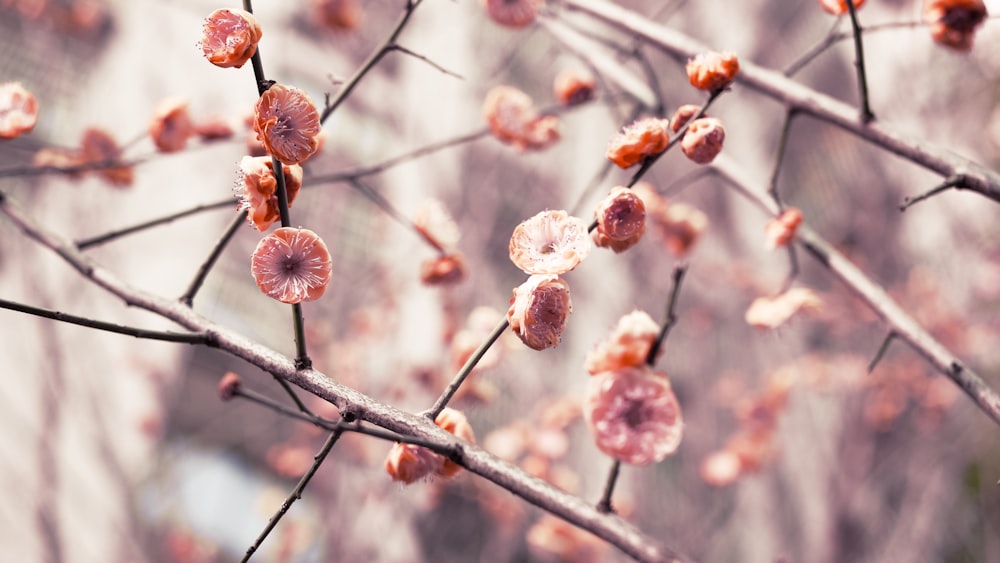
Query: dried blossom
x,y
229,37
781,230
18,110
338,15
171,125
640,140
257,189
954,22
573,87
771,312
446,269
551,242
409,462
229,385
513,119
703,140
628,345
287,123
712,71
621,220
682,115
633,414
512,13
292,265
839,7
539,311
99,147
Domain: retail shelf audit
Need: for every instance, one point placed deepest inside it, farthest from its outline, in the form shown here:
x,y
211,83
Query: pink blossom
x,y
633,414
551,242
781,230
627,346
287,123
539,310
171,126
621,220
229,37
292,265
18,110
771,312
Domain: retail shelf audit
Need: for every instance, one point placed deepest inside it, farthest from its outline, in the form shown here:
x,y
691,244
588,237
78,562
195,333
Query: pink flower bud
x,y
539,310
712,71
229,37
703,140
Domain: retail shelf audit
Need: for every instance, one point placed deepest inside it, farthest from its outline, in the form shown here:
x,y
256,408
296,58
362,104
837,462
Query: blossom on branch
x,y
633,414
171,126
513,119
573,87
678,225
772,312
551,242
781,230
446,269
287,123
539,311
512,13
954,22
229,37
683,115
621,220
636,142
257,189
99,147
18,110
839,7
409,462
292,265
338,15
703,140
712,71
628,345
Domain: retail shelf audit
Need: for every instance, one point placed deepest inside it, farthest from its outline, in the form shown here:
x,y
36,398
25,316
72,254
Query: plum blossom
x,y
18,110
712,71
287,123
539,310
292,265
628,345
621,220
640,140
229,37
551,242
633,414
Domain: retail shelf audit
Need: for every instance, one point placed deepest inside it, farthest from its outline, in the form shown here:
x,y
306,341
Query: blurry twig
x,y
881,351
899,321
671,318
958,181
800,97
464,372
424,58
188,297
112,235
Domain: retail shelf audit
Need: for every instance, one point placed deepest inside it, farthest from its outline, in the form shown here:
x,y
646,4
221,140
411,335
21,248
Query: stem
x,y
166,336
107,237
882,349
866,112
295,495
463,373
957,181
382,203
188,297
604,505
782,145
671,318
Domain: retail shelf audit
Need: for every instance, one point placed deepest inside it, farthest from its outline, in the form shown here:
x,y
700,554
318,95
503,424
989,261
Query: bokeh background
x,y
116,449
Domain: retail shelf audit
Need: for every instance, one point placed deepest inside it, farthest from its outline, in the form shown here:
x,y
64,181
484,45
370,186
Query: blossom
x,y
679,225
338,15
287,122
171,125
781,230
682,116
292,265
628,345
703,140
554,539
436,225
954,22
257,187
640,140
446,269
771,312
839,7
539,310
513,119
98,146
229,37
633,414
551,242
573,87
18,110
721,468
712,71
621,220
53,157
409,463
229,385
512,13
213,129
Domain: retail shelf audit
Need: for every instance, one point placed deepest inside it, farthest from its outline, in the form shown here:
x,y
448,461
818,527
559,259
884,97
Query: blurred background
x,y
117,449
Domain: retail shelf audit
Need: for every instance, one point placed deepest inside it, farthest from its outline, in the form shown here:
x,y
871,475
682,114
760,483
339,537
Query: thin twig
x,y
798,96
112,235
188,297
295,495
425,59
382,203
463,373
166,336
604,505
881,351
866,111
957,181
671,318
